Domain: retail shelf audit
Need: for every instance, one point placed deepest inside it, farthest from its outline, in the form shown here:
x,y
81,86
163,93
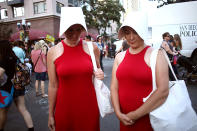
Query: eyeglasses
x,y
167,36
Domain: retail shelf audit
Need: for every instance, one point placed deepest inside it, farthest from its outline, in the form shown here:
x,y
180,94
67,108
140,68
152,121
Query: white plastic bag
x,y
102,91
103,97
176,113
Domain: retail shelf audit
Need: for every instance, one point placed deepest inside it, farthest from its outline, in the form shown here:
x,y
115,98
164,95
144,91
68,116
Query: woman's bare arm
x,y
53,84
160,94
114,91
114,88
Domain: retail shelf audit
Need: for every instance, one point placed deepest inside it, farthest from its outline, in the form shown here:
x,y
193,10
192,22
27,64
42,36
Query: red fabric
x,y
33,35
135,83
76,105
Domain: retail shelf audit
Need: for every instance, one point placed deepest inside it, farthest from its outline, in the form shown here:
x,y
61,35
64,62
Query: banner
x,y
50,38
22,37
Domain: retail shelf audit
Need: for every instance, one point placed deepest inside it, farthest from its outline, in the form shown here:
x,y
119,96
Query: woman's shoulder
x,y
150,49
55,51
120,56
56,47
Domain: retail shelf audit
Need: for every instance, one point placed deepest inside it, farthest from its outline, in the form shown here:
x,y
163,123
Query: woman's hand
x,y
99,74
51,124
132,116
125,119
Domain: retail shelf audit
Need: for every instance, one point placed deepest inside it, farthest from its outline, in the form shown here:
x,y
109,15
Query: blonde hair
x,y
178,39
38,46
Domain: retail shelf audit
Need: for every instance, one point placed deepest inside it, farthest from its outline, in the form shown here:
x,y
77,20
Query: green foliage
x,y
100,14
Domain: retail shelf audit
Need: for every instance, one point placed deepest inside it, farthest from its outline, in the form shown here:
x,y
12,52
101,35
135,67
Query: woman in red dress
x,y
72,98
132,78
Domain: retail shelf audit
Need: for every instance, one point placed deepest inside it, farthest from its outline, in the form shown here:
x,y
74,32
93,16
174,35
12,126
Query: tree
x,y
101,14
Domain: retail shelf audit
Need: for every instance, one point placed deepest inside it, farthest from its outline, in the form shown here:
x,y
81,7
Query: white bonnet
x,y
138,21
71,16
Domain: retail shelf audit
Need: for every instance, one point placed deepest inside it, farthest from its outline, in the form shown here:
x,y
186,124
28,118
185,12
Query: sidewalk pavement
x,y
38,107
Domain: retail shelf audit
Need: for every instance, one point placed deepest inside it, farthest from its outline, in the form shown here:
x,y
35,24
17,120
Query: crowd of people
x,y
72,98
172,46
34,58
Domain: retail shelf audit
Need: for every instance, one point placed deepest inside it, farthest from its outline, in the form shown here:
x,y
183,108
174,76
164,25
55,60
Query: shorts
x,y
41,76
19,92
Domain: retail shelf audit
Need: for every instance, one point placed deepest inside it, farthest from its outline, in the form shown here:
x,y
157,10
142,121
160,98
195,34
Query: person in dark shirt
x,y
166,45
7,66
8,61
100,45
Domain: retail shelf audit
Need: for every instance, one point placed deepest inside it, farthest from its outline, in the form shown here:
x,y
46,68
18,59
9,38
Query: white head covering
x,y
71,16
138,21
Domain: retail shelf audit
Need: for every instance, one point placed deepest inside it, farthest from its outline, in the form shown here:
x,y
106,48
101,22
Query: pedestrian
x,y
178,43
100,45
88,38
18,50
28,64
7,65
19,94
105,50
132,77
124,47
174,57
40,67
177,47
45,47
168,47
72,99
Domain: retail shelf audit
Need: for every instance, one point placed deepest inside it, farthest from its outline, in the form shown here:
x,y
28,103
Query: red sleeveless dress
x,y
135,83
76,105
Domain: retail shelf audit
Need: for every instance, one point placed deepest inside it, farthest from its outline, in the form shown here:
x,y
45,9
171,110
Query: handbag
x,y
176,113
6,98
102,91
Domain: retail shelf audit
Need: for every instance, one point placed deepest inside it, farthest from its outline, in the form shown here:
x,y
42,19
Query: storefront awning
x,y
34,34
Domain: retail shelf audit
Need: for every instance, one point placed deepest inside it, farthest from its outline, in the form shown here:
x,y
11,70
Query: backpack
x,y
22,76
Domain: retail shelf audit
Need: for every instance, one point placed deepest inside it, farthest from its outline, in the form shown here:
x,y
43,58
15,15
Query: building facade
x,y
44,15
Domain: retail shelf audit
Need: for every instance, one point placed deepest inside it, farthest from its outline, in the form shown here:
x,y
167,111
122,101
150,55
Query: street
x,y
38,108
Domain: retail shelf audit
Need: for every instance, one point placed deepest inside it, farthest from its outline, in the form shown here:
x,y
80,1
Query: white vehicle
x,y
177,18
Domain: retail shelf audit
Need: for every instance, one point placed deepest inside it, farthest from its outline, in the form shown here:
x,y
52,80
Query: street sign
x,y
50,38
